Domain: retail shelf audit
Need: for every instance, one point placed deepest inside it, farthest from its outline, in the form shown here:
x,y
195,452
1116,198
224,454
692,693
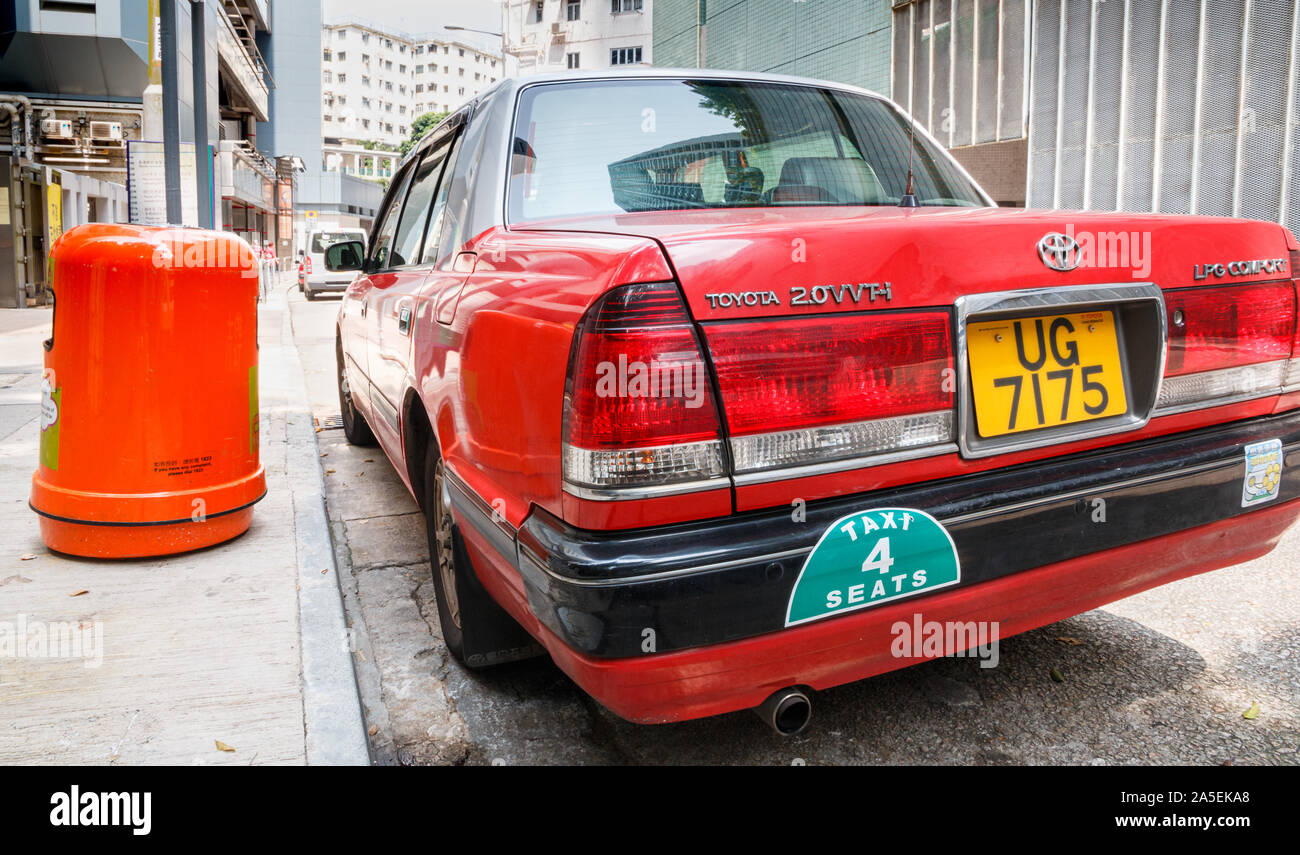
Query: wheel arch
x,y
418,436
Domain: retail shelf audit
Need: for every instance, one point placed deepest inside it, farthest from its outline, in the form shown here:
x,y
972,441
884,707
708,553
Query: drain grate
x,y
330,423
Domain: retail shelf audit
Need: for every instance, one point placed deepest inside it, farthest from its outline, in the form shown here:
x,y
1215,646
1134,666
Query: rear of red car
x,y
844,411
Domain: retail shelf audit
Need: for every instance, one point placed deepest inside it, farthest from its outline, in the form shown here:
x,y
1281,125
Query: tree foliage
x,y
421,126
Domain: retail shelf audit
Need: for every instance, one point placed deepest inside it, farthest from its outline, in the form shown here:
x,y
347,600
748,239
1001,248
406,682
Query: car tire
x,y
355,427
310,294
477,631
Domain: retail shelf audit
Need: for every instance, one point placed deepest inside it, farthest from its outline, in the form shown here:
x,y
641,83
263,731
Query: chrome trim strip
x,y
480,504
941,421
831,466
1058,299
658,577
1258,392
1208,403
604,494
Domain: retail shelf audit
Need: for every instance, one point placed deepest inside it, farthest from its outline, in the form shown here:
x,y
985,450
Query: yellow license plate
x,y
1031,373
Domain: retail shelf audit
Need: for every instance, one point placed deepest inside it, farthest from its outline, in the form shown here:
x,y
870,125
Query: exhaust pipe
x,y
787,711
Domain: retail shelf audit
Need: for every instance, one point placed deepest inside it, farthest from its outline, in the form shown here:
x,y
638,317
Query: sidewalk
x,y
244,643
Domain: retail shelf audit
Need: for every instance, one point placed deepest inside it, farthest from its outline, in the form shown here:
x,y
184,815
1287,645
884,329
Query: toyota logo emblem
x,y
1058,251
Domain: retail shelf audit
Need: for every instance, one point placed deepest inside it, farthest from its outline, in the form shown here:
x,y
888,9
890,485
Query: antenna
x,y
908,199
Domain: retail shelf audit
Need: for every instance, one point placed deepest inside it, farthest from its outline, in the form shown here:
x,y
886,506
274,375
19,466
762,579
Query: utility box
x,y
149,441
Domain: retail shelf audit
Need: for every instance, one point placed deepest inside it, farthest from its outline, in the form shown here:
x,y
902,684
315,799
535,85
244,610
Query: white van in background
x,y
315,278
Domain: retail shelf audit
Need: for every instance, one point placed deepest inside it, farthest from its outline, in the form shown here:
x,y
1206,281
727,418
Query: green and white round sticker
x,y
871,557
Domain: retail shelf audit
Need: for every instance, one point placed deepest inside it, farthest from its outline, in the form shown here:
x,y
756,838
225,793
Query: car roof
x,y
654,73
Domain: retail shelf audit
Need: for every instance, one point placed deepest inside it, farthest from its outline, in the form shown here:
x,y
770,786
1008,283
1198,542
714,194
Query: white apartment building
x,y
552,35
375,83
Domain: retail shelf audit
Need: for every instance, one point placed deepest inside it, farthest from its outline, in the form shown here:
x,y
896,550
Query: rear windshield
x,y
594,147
323,240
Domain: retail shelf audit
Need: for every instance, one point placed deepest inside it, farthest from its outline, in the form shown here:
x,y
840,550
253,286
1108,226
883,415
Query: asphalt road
x,y
1160,678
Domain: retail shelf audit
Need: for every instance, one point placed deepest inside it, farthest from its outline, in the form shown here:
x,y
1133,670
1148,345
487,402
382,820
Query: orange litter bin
x,y
149,440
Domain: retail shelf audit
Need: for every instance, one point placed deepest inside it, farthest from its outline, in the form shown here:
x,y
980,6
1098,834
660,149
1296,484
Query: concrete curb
x,y
335,728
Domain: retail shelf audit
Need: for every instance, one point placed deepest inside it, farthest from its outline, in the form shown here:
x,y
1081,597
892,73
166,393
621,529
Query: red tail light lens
x,y
1212,328
639,408
307,261
1227,343
806,390
802,372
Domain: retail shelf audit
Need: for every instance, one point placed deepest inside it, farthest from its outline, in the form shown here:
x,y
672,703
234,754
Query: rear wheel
x,y
478,632
310,294
355,427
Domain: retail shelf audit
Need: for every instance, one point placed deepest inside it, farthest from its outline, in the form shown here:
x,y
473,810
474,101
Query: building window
x,y
365,81
365,59
462,51
343,55
401,69
625,6
342,34
538,8
625,56
328,78
572,12
571,60
419,69
365,38
327,55
462,71
343,78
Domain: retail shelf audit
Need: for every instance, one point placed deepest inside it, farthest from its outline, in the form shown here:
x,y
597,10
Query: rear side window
x,y
443,223
381,259
410,232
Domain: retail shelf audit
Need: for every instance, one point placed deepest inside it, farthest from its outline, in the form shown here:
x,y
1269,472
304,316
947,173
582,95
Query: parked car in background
x,y
314,278
707,381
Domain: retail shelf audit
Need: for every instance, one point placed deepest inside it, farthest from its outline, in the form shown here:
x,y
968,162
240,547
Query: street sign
x,y
146,184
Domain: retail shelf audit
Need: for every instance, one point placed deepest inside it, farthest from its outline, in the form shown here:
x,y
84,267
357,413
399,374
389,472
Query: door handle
x,y
404,320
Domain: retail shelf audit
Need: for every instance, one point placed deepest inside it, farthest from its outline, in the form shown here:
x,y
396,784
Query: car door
x,y
395,293
356,319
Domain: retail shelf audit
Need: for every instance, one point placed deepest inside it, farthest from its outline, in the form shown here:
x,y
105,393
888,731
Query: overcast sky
x,y
423,16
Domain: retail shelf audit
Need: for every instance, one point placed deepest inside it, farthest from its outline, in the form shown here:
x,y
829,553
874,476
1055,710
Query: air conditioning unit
x,y
106,131
61,128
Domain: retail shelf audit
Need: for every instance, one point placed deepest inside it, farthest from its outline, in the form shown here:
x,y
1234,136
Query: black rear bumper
x,y
723,579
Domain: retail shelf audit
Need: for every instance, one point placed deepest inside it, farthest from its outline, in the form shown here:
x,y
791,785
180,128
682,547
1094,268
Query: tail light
x,y
307,262
1226,344
639,409
810,390
1292,381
